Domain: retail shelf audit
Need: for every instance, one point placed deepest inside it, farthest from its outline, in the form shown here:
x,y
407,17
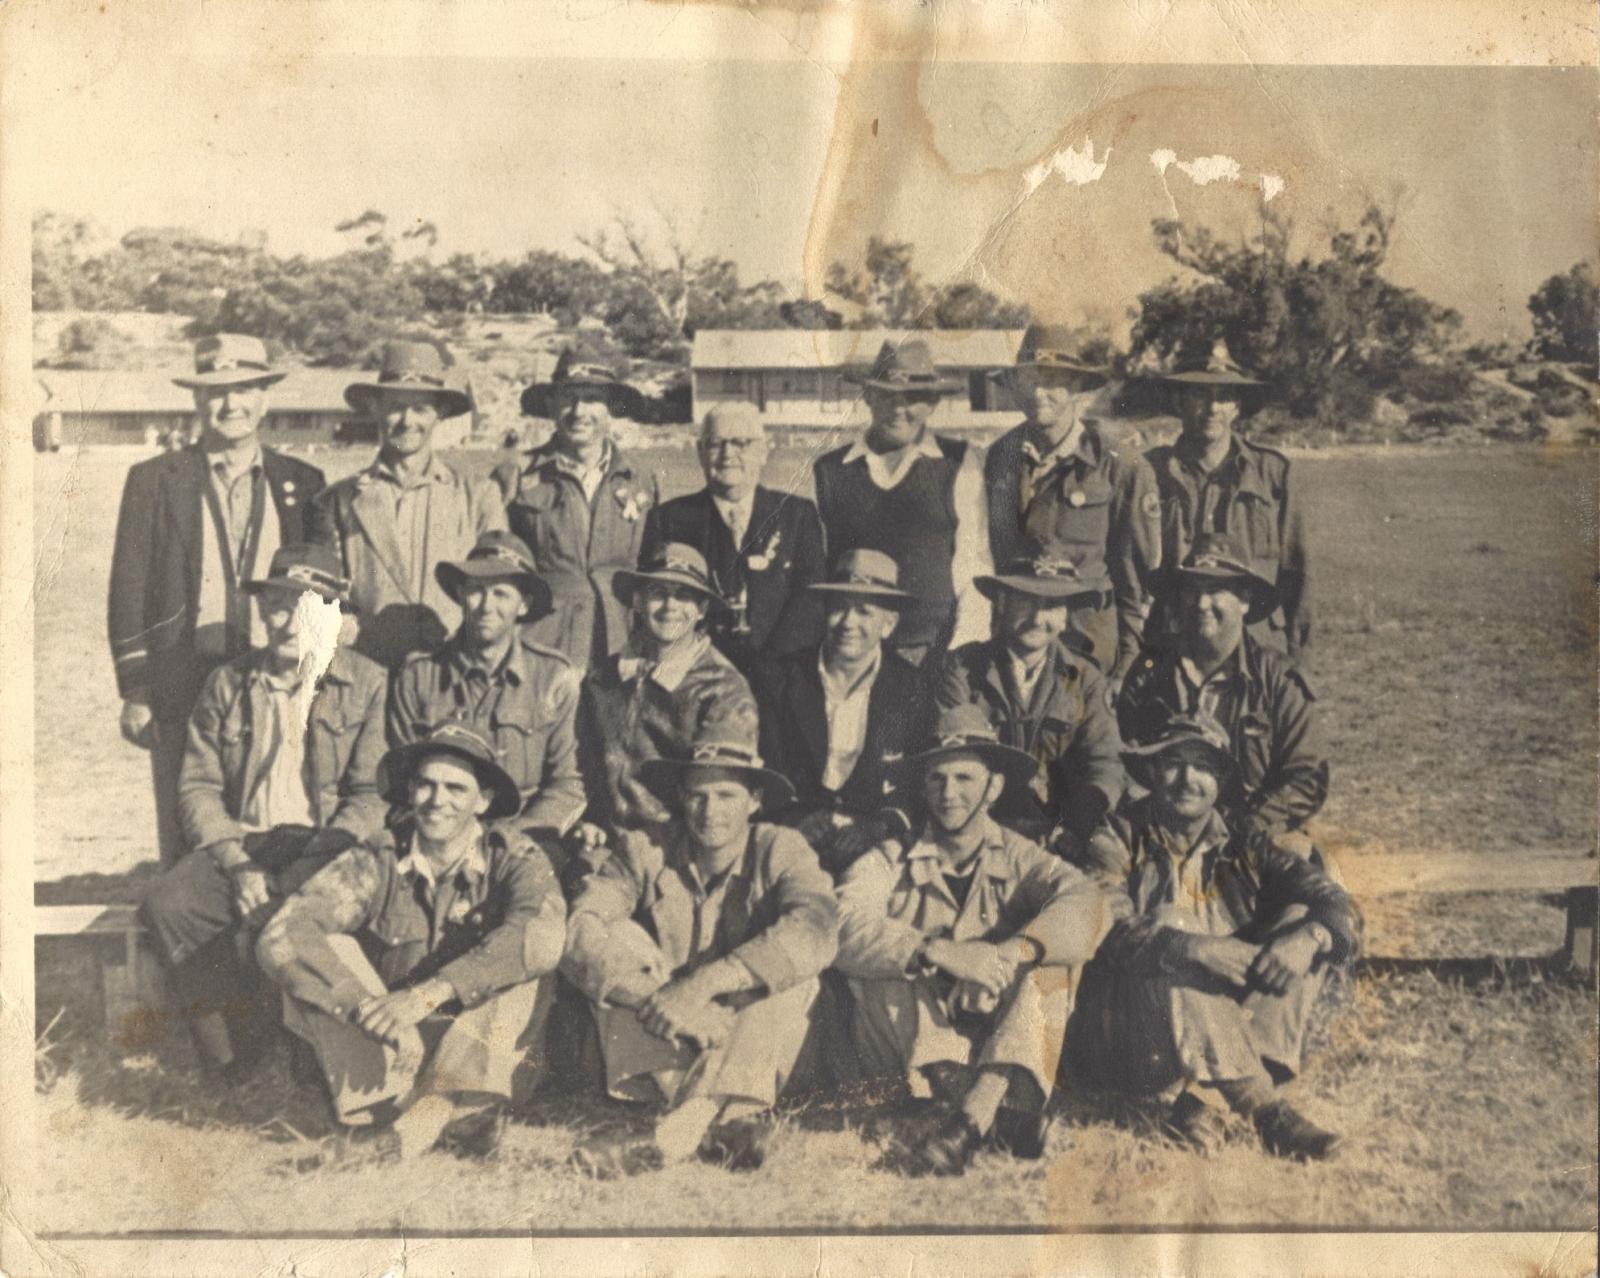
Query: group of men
x,y
979,775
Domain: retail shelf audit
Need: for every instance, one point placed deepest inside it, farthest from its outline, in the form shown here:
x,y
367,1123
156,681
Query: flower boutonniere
x,y
458,911
761,562
633,503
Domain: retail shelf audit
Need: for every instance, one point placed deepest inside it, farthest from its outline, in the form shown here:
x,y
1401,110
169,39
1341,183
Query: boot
x,y
1289,1134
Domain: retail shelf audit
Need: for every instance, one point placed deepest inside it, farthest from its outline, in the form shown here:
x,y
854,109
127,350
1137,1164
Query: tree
x,y
967,305
808,313
1563,310
889,290
60,245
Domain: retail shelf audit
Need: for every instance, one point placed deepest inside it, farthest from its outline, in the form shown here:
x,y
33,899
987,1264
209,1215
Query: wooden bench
x,y
131,983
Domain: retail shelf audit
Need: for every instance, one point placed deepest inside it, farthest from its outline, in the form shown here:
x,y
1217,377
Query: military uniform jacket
x,y
1282,779
1250,498
780,556
156,569
1096,506
1068,727
579,546
890,904
357,516
778,915
499,920
1248,884
528,709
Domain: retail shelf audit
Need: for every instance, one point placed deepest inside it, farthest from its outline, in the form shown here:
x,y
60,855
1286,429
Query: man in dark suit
x,y
194,524
836,719
763,547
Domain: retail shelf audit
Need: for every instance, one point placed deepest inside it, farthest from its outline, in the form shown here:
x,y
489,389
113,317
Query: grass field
x,y
1455,675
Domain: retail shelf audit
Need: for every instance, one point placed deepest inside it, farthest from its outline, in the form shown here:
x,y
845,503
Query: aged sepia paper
x,y
1024,147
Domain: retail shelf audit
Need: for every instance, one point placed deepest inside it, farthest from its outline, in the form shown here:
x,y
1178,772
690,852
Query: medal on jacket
x,y
763,561
633,504
1076,497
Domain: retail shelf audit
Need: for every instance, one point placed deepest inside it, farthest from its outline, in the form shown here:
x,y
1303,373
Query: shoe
x,y
1020,1133
1192,1122
741,1145
949,1150
612,1158
475,1137
1289,1134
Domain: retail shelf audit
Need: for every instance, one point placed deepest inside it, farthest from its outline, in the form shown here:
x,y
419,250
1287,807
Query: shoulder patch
x,y
1150,505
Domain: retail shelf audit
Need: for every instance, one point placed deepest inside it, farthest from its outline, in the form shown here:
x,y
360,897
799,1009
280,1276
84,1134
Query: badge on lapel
x,y
761,562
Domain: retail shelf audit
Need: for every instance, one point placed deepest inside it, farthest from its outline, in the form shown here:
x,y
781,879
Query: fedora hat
x,y
458,738
1180,732
230,359
866,574
1216,368
411,366
305,566
675,564
1218,557
727,746
497,556
1054,347
571,374
965,729
1044,578
907,369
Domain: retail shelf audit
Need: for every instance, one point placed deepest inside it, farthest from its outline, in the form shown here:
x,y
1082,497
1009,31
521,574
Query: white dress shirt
x,y
846,709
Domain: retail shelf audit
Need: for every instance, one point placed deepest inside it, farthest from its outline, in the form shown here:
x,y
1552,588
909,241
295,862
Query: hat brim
x,y
257,584
1139,760
664,778
540,400
887,596
1263,594
229,377
1201,377
452,576
1059,589
1018,767
940,388
1062,366
451,402
396,769
626,580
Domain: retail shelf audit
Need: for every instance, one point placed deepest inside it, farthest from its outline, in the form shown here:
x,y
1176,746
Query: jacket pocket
x,y
1254,521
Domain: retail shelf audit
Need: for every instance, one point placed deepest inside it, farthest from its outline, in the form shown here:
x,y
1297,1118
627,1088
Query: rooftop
x,y
849,348
304,390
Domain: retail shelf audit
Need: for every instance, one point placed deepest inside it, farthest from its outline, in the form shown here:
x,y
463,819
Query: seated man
x,y
834,719
667,686
1207,981
1260,698
700,948
522,696
962,951
414,963
279,774
1044,700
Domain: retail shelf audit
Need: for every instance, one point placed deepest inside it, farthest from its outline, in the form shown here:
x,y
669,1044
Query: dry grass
x,y
1457,683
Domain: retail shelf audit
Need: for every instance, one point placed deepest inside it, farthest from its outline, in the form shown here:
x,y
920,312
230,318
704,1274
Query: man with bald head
x,y
763,547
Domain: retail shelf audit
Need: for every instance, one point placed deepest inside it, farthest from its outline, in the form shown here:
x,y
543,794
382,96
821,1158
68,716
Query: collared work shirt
x,y
226,622
736,515
846,708
279,797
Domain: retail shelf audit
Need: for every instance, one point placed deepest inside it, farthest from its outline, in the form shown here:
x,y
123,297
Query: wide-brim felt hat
x,y
1049,347
230,359
1044,578
1218,557
464,742
411,366
675,564
304,566
906,369
571,374
1218,368
1181,732
498,556
664,777
866,574
965,729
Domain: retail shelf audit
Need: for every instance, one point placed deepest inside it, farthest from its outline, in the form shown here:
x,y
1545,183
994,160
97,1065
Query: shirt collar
x,y
862,682
923,858
1232,668
570,465
668,673
436,473
745,508
509,670
218,463
465,860
927,446
1074,444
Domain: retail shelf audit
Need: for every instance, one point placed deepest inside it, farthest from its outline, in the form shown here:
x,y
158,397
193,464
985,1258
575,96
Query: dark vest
x,y
914,523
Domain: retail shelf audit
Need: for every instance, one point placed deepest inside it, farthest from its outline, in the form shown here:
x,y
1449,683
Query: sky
x,y
785,166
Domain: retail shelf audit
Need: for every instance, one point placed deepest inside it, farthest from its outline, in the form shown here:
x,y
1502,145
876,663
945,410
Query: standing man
x,y
409,509
417,964
915,496
279,775
580,506
193,525
1214,667
763,547
1044,700
1057,487
836,720
699,947
521,696
1214,480
962,951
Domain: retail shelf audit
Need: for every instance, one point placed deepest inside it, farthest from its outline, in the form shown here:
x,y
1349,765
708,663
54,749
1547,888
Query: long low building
x,y
799,377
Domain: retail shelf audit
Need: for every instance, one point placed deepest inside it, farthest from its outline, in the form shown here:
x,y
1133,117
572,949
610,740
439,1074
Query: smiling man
x,y
520,695
193,525
409,510
416,964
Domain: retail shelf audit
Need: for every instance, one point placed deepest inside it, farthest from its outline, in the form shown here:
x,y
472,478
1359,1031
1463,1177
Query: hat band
x,y
1213,561
725,754
673,564
965,740
315,577
506,555
867,579
410,377
228,366
1053,568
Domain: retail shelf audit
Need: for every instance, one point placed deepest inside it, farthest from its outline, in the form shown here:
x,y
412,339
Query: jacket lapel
x,y
373,509
185,500
808,712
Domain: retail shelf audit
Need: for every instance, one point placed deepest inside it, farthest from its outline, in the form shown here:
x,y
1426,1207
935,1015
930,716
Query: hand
x,y
1284,961
586,836
973,1000
1222,956
978,962
138,724
252,894
680,1010
387,1016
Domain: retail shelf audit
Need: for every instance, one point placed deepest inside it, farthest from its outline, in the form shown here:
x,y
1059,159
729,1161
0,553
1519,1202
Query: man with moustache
x,y
1213,480
837,718
1206,983
699,947
1056,484
1042,699
763,547
916,497
409,509
520,695
580,506
1260,699
962,951
193,525
279,775
418,964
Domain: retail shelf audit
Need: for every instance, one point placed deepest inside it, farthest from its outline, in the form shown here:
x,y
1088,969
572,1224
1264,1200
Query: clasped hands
x,y
387,1016
686,1008
1271,968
